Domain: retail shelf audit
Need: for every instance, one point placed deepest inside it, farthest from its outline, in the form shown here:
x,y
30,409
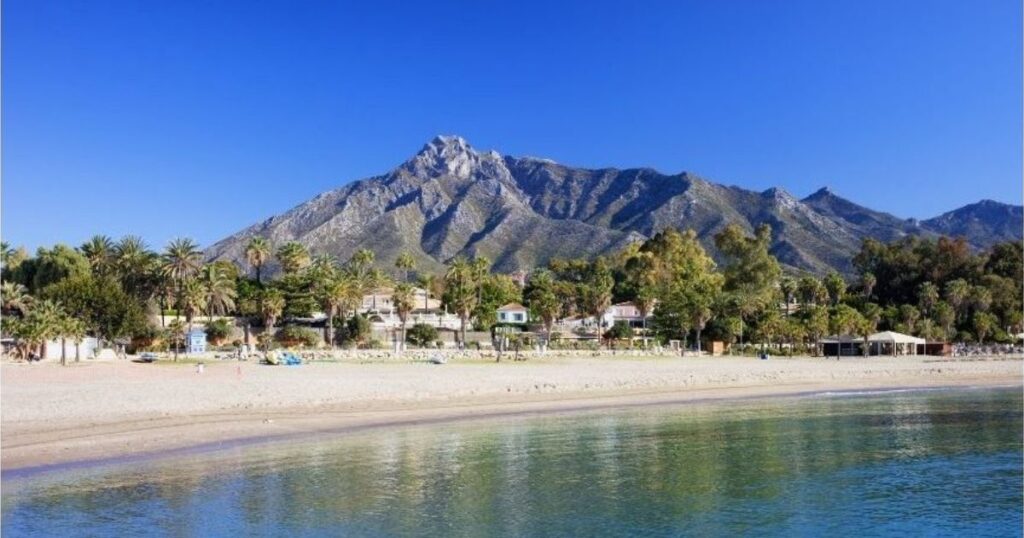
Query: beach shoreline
x,y
90,413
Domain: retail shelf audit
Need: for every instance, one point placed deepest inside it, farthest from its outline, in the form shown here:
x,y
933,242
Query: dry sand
x,y
53,415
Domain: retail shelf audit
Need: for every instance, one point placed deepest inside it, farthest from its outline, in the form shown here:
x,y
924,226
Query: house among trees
x,y
626,312
513,313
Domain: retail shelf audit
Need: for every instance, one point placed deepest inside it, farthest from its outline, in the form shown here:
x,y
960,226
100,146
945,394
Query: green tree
x,y
16,298
815,320
99,251
257,253
271,307
460,294
405,263
751,272
51,266
181,261
422,334
844,320
788,288
836,287
811,291
293,257
944,317
542,300
402,298
984,324
219,290
927,297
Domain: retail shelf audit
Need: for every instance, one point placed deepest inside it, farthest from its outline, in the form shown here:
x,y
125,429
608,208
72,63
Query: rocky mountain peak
x,y
447,155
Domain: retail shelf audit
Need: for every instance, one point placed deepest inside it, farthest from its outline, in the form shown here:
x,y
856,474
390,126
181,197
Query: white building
x,y
627,312
84,349
513,313
381,302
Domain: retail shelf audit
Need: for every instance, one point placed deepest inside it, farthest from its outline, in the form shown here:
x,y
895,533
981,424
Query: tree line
x,y
938,289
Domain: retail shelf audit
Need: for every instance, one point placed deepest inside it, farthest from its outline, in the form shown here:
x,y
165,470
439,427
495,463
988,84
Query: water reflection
x,y
913,463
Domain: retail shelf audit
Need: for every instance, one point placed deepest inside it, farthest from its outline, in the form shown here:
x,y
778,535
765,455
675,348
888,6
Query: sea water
x,y
919,463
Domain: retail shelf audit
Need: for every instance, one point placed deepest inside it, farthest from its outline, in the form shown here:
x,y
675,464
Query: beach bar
x,y
887,343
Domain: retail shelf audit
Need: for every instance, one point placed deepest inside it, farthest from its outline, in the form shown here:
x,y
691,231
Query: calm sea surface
x,y
898,464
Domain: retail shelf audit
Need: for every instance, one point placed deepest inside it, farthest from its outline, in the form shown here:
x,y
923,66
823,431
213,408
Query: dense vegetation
x,y
937,289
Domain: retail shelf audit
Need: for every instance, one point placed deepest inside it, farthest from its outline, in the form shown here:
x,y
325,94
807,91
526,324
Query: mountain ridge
x,y
449,199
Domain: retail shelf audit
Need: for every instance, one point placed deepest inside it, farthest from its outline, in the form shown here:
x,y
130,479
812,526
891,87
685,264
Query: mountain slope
x,y
981,223
450,200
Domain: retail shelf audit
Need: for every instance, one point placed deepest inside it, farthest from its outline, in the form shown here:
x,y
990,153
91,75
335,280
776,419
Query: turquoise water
x,y
898,464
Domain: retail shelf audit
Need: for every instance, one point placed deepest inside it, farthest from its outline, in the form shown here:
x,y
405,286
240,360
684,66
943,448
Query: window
x,y
517,317
501,316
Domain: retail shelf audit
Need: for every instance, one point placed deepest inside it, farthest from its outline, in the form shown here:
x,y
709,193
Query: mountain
x,y
450,199
982,224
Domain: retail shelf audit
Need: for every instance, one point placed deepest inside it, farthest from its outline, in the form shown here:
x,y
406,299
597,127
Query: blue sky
x,y
196,119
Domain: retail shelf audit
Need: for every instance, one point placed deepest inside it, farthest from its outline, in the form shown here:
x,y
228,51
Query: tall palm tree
x,y
788,287
99,250
374,280
219,290
271,308
402,299
181,261
134,262
406,263
257,253
462,296
335,292
481,268
293,257
192,300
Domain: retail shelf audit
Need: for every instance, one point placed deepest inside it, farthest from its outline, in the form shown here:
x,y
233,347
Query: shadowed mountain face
x,y
450,199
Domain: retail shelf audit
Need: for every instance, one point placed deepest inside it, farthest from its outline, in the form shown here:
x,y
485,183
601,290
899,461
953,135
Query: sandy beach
x,y
90,411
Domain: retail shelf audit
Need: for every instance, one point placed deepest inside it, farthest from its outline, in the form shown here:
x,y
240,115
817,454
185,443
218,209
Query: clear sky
x,y
196,119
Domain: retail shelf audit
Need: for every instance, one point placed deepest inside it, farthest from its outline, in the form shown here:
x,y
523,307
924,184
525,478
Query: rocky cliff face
x,y
450,199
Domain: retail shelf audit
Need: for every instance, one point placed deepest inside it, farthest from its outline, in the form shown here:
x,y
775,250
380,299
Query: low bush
x,y
291,335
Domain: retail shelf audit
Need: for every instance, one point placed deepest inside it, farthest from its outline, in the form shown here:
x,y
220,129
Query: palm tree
x,y
459,284
6,252
957,293
402,299
134,264
481,268
175,332
271,308
293,257
257,253
788,288
544,301
362,260
15,297
99,250
867,285
220,290
42,323
336,294
192,300
181,261
74,329
406,263
374,280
